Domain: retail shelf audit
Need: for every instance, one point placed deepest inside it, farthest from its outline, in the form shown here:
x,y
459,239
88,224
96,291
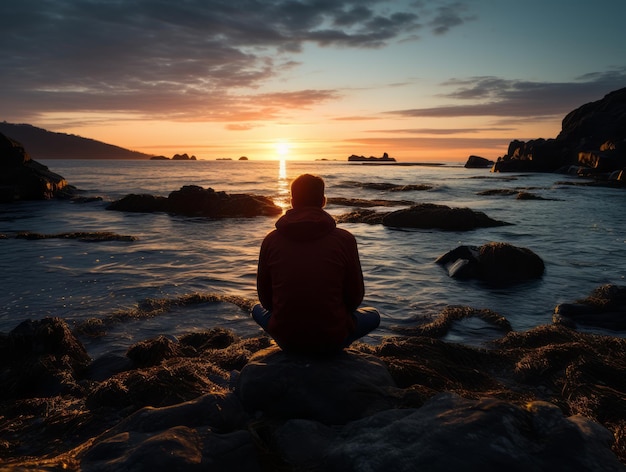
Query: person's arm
x,y
354,285
264,279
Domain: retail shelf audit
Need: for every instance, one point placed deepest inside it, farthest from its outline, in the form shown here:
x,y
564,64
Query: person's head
x,y
307,191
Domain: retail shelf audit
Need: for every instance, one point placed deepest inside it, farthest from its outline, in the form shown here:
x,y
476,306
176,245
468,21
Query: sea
x,y
578,231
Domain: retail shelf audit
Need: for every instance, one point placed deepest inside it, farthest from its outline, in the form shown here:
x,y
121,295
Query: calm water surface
x,y
579,233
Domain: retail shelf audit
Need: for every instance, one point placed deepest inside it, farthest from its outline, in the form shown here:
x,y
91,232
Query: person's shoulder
x,y
271,236
344,234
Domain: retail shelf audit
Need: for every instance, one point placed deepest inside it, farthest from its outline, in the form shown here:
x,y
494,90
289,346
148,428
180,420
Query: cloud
x,y
449,16
171,57
494,96
441,131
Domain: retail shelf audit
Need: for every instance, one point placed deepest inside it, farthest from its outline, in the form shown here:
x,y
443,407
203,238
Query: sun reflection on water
x,y
283,199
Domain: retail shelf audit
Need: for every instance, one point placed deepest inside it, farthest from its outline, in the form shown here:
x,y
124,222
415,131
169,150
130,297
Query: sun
x,y
282,148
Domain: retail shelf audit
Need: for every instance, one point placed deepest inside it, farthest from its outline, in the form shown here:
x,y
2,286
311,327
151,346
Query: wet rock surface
x,y
551,398
494,262
430,215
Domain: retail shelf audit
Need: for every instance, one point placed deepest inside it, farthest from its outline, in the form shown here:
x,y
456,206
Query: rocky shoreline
x,y
552,398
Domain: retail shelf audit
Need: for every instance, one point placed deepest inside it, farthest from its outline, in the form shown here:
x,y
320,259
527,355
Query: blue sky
x,y
421,80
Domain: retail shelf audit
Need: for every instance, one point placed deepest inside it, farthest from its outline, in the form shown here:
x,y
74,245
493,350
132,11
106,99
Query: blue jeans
x,y
366,320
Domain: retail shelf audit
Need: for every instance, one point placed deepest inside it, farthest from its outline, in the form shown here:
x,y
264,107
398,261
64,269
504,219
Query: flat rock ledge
x,y
547,399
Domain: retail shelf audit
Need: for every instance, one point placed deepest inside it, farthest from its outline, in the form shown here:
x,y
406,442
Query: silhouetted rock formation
x,y
22,178
175,157
495,262
192,200
477,162
183,157
384,158
593,136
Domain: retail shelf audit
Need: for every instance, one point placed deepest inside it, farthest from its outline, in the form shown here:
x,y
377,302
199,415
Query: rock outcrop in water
x,y
604,308
384,158
592,136
424,216
477,162
22,178
494,262
547,399
193,200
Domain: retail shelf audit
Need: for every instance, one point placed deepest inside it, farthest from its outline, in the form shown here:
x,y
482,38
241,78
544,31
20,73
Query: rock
x,y
154,351
494,262
602,161
384,158
96,236
604,308
487,434
139,203
370,217
543,399
477,162
176,448
22,178
386,186
41,358
429,215
192,200
362,203
593,134
331,390
183,157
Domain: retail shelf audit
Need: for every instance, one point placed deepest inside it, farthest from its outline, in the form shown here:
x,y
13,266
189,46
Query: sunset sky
x,y
308,79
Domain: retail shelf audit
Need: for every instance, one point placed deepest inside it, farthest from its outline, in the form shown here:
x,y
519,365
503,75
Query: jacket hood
x,y
305,224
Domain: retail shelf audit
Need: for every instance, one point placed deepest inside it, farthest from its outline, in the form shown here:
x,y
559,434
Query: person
x,y
309,278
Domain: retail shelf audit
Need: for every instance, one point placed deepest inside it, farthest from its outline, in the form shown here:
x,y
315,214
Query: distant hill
x,y
42,144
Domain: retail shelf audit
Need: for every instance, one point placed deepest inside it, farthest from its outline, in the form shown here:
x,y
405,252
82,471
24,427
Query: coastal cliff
x,y
592,138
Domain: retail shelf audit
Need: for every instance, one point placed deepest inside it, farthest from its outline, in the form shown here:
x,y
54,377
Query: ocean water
x,y
578,231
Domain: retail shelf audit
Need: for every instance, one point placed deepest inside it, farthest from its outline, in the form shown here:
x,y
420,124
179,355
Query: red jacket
x,y
310,278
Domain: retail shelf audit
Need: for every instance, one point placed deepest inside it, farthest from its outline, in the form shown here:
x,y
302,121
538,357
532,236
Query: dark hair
x,y
307,190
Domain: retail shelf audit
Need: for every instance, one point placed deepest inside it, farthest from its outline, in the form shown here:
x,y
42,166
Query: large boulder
x,y
22,178
331,390
193,200
430,215
496,262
